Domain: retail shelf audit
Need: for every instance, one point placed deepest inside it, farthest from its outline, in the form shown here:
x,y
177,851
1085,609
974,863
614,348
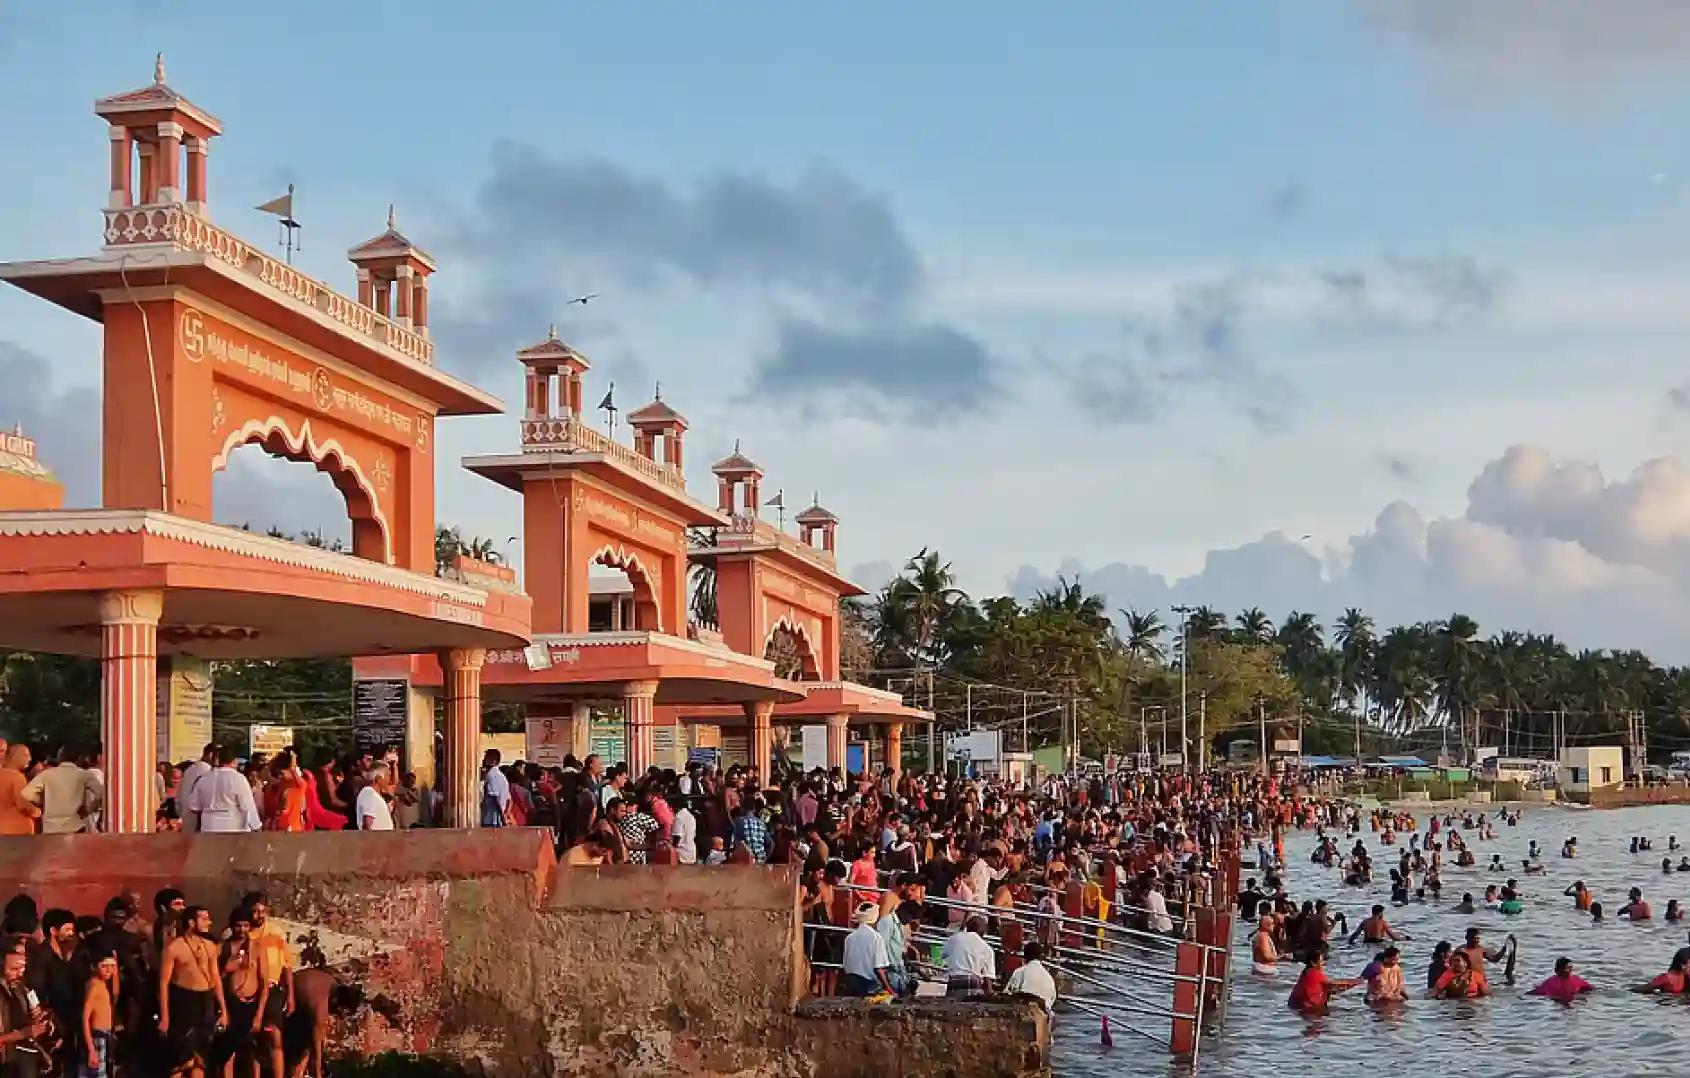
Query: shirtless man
x,y
1376,929
1476,954
1264,954
244,992
97,997
190,994
1636,909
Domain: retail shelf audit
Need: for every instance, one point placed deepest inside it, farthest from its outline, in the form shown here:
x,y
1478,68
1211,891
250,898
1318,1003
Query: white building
x,y
1599,767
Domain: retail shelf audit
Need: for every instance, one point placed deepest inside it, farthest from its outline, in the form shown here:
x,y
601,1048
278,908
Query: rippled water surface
x,y
1611,1032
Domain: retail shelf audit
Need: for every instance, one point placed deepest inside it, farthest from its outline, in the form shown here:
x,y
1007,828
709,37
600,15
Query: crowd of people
x,y
174,991
1461,970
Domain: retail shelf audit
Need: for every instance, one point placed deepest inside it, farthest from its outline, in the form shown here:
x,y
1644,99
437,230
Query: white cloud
x,y
1543,545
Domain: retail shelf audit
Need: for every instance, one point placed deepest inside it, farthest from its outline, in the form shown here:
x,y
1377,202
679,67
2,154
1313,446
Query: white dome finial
x,y
392,218
158,69
551,334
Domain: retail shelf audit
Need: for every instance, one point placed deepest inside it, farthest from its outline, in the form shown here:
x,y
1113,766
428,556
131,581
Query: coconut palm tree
x,y
1254,626
1353,634
1144,634
931,597
1205,622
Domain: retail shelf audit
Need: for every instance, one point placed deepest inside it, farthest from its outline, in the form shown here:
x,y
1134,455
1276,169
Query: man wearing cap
x,y
866,958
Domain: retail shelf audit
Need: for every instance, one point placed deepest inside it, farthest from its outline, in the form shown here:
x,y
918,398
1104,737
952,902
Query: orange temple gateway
x,y
211,344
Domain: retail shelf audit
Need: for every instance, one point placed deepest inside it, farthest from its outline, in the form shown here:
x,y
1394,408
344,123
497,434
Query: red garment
x,y
1312,990
316,816
1563,989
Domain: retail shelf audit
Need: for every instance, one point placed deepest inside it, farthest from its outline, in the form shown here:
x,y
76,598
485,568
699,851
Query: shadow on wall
x,y
475,946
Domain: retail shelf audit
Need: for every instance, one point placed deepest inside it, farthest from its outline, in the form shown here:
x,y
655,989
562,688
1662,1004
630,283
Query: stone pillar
x,y
129,707
366,289
197,148
895,747
462,785
402,295
384,296
638,698
148,176
836,741
581,731
760,715
122,160
419,306
169,162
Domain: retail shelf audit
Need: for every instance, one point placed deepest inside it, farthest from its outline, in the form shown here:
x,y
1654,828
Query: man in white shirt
x,y
970,965
67,794
1158,907
372,810
495,791
684,833
1032,979
196,771
224,798
866,959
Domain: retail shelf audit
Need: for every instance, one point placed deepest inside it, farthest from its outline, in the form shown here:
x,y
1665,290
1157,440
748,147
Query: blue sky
x,y
1120,291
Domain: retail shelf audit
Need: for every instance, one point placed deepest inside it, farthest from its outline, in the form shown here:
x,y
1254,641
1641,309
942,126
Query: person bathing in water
x,y
1672,982
1314,989
1376,929
1264,953
1636,909
1579,894
1565,985
1384,978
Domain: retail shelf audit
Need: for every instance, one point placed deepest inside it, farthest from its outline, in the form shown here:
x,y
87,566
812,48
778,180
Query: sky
x,y
1298,306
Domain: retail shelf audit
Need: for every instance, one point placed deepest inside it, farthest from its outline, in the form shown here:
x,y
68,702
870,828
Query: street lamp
x,y
1184,613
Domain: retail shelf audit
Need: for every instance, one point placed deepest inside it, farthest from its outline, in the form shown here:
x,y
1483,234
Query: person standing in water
x,y
1565,985
1314,989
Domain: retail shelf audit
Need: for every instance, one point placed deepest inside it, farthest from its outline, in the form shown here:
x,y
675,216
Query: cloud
x,y
821,235
1544,545
65,423
1428,291
261,492
1197,344
926,371
1555,44
1678,397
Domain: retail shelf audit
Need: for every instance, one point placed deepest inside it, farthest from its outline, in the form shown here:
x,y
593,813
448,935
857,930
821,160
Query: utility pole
x,y
1143,738
1026,746
1262,726
931,756
1358,739
968,707
1202,729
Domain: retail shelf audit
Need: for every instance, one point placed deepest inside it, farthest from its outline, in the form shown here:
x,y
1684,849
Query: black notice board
x,y
379,714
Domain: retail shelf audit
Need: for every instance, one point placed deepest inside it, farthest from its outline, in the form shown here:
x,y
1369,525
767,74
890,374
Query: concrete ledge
x,y
83,871
999,1038
683,888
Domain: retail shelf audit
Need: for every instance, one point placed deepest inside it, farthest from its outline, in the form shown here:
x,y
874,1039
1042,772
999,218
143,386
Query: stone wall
x,y
1627,796
475,945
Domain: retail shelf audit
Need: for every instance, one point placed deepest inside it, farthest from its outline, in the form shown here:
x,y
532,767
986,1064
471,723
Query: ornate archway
x,y
371,536
648,615
790,648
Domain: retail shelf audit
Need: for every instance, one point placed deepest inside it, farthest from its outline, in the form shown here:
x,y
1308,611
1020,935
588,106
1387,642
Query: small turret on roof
x,y
126,108
816,521
544,360
152,129
657,422
391,244
733,471
737,464
393,276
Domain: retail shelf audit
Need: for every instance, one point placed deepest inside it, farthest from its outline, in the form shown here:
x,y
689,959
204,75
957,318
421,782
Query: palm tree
x,y
1456,664
1070,598
1204,622
1144,634
930,596
1354,636
1254,627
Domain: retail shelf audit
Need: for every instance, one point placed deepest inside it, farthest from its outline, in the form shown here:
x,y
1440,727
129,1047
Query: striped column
x,y
462,670
836,741
129,707
637,700
760,714
895,747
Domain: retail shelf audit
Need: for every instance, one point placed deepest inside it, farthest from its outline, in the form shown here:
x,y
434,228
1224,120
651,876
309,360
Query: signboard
x,y
268,740
485,575
665,748
184,708
736,750
547,742
608,741
815,747
380,714
705,756
980,745
1287,744
1242,751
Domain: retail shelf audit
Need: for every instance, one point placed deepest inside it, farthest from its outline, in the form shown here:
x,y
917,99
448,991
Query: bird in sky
x,y
583,300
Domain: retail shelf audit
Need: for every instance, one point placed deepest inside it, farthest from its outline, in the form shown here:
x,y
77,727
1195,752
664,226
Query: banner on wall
x,y
184,708
547,741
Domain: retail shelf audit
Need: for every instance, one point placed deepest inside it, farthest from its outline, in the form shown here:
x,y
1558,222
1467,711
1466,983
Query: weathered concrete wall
x,y
1626,796
476,946
927,1037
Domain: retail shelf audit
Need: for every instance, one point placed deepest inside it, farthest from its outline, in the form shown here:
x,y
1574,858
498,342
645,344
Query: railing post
x,y
1188,962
